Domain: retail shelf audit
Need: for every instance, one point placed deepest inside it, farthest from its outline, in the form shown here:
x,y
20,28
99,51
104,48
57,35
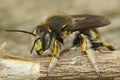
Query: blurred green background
x,y
26,14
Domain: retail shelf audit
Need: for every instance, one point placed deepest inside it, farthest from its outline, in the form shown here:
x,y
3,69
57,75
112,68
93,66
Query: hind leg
x,y
98,45
97,42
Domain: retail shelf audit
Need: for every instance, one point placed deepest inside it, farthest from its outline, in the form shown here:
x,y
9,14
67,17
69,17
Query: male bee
x,y
63,32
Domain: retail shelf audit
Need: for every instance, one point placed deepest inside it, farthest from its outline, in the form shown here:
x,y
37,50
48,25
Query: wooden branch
x,y
73,67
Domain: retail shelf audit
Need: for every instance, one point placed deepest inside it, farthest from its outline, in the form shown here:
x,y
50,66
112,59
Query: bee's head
x,y
42,39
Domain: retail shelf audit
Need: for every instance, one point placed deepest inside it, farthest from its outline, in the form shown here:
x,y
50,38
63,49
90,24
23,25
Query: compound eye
x,y
46,41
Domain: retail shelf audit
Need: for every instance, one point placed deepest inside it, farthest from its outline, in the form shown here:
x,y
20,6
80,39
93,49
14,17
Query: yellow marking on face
x,y
38,46
41,52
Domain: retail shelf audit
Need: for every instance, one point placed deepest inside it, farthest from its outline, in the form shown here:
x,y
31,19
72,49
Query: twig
x,y
77,67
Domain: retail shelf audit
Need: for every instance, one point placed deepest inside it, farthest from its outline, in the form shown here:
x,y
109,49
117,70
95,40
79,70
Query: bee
x,y
63,32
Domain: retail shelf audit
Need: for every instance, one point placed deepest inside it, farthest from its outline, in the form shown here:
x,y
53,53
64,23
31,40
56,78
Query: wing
x,y
88,21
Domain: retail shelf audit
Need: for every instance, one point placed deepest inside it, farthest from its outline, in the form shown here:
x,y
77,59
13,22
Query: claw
x,y
90,54
52,64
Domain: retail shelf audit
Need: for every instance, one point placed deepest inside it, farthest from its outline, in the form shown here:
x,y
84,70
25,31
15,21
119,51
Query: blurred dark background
x,y
26,14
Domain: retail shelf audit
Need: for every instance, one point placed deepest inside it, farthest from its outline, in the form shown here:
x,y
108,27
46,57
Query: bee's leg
x,y
96,45
109,46
53,61
98,35
97,40
86,46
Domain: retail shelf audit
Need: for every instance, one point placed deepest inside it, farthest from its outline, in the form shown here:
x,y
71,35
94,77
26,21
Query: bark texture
x,y
72,67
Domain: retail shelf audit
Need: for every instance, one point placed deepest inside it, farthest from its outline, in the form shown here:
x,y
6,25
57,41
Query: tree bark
x,y
72,67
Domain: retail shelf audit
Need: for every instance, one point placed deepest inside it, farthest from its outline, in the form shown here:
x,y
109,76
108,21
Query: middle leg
x,y
86,47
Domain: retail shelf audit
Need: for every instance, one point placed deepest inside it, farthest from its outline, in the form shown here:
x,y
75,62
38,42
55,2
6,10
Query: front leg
x,y
86,47
53,61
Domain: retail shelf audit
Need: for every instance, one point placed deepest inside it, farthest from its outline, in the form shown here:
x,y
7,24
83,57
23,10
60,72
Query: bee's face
x,y
42,39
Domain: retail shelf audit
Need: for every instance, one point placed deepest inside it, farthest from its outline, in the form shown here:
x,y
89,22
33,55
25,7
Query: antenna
x,y
22,31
